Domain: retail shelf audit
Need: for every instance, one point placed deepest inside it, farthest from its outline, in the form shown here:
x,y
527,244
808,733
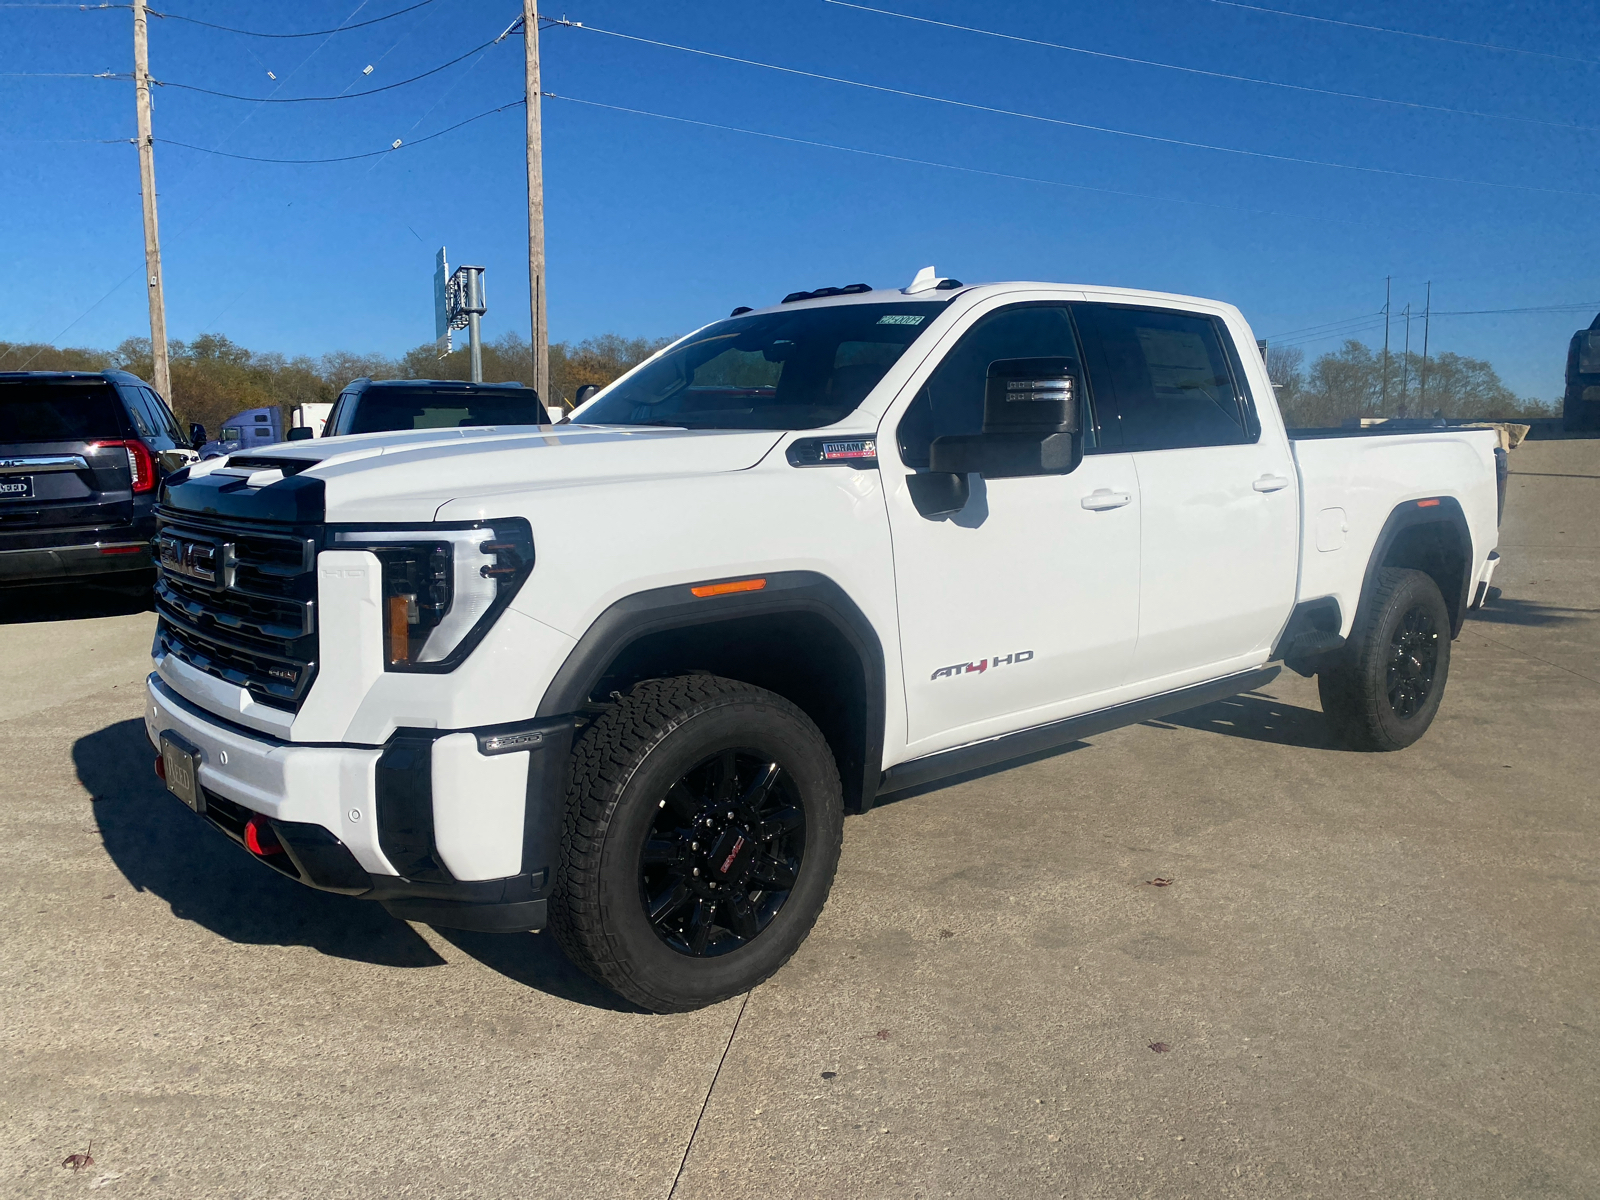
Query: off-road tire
x,y
622,766
1356,687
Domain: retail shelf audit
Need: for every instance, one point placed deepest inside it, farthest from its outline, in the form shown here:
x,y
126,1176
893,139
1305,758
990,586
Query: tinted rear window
x,y
58,412
381,410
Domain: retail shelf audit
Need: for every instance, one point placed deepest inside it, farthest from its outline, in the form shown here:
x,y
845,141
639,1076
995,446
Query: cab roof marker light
x,y
723,589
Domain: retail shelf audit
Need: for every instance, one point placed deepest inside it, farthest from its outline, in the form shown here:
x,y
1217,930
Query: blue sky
x,y
656,225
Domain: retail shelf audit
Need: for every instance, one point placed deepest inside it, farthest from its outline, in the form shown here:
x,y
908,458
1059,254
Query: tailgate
x,y
56,473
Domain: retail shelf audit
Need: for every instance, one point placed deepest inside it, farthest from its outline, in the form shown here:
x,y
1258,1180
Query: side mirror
x,y
1030,423
197,435
583,393
301,433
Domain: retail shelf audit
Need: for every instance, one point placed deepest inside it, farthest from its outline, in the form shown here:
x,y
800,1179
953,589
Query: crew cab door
x,y
1219,520
1024,605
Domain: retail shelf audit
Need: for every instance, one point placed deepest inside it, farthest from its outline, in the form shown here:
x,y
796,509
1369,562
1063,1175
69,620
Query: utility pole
x,y
1405,365
536,289
1427,319
1383,406
147,192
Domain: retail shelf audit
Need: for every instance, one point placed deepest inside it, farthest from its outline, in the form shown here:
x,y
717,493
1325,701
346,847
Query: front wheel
x,y
1385,687
704,821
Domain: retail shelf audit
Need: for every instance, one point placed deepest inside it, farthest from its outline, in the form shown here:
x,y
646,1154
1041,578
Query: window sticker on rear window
x,y
902,319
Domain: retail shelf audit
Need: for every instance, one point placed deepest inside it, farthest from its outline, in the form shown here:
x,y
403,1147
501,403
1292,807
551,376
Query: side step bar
x,y
988,753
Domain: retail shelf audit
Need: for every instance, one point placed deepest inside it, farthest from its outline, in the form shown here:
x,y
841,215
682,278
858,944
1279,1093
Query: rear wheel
x,y
1386,686
703,829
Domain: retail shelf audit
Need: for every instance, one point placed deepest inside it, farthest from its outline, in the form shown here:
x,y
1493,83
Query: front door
x,y
1023,607
1219,526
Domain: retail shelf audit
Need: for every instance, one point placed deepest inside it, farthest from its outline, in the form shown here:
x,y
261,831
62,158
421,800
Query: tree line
x,y
213,377
1356,381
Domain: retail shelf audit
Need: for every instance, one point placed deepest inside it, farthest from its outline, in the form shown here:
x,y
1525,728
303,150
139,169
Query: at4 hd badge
x,y
983,664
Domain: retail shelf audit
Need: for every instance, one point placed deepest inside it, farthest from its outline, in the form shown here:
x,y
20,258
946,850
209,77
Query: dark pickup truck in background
x,y
82,456
1581,406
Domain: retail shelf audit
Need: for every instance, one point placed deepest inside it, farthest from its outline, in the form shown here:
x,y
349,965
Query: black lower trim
x,y
324,862
522,916
1006,747
403,783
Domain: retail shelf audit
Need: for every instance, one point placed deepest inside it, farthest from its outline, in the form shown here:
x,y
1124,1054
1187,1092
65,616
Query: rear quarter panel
x,y
1350,485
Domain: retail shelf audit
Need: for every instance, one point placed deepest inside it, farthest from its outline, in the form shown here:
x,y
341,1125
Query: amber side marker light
x,y
722,589
1427,504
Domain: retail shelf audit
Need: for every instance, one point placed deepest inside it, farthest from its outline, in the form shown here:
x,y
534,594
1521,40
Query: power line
x,y
64,75
399,145
389,87
1373,321
1431,37
1544,308
919,162
1326,325
310,33
1148,62
1144,137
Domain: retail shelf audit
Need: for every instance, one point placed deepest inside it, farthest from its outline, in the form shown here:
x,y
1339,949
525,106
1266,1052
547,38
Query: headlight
x,y
443,586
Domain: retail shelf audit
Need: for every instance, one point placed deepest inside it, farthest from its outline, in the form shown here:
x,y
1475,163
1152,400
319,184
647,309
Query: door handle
x,y
1103,498
1270,483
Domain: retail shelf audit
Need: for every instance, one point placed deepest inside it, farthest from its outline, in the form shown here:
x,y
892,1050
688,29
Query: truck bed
x,y
1348,493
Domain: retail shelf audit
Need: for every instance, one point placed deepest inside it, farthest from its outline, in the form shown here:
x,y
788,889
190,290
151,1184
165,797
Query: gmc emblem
x,y
193,560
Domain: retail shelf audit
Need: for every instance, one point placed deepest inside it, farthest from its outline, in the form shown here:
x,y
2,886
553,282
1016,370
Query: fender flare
x,y
1428,510
658,610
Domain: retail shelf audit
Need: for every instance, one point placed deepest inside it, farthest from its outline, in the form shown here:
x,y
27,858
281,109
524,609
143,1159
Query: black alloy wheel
x,y
1413,657
1382,690
703,828
723,853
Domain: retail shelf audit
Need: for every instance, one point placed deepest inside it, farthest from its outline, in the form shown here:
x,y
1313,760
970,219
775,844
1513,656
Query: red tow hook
x,y
161,769
259,838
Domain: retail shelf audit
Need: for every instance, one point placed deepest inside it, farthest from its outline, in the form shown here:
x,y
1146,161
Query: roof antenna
x,y
927,279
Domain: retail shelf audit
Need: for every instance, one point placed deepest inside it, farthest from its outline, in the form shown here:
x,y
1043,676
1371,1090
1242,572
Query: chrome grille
x,y
239,603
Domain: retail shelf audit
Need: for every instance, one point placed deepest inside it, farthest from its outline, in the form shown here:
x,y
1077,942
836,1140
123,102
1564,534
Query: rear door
x,y
55,477
1219,520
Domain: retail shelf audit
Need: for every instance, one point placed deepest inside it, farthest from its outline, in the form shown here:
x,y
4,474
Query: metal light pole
x,y
536,288
147,192
474,305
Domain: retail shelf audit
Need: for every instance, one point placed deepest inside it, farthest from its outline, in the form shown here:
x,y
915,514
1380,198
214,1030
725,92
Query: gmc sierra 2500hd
x,y
624,676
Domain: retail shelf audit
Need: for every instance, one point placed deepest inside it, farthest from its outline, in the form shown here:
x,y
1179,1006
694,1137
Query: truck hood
x,y
408,476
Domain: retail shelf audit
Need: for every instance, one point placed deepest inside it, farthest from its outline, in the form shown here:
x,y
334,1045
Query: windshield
x,y
384,410
786,370
64,411
1589,353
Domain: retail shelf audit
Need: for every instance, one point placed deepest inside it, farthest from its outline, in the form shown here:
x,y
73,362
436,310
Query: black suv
x,y
383,405
82,456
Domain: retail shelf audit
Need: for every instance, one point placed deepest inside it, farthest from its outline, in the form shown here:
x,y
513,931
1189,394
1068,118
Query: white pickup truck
x,y
624,676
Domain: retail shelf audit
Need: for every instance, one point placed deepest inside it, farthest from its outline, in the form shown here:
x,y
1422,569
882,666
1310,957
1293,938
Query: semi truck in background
x,y
245,431
1581,406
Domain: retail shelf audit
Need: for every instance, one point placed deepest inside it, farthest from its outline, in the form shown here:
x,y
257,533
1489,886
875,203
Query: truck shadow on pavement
x,y
1528,613
1259,719
535,961
21,605
163,848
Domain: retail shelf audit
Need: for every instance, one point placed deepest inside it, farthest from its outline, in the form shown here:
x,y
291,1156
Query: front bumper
x,y
428,823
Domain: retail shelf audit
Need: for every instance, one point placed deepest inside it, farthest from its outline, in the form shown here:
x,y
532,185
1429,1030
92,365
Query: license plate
x,y
16,487
181,765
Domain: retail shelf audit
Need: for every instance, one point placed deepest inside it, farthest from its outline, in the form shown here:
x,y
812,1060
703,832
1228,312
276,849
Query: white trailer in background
x,y
312,417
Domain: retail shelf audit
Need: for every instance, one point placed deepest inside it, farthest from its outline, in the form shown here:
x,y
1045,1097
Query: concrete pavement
x,y
1373,974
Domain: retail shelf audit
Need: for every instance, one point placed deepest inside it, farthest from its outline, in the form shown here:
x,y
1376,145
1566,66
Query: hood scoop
x,y
251,463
